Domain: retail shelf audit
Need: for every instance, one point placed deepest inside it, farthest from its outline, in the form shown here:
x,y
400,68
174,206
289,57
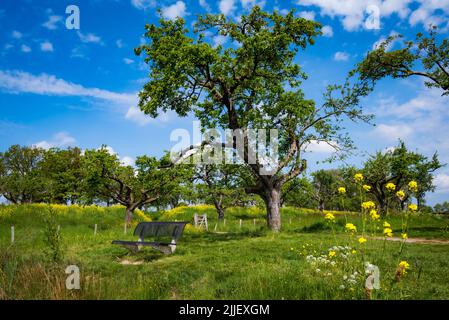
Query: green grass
x,y
227,263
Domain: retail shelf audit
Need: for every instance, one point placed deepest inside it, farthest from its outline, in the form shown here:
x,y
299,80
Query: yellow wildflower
x,y
332,254
342,190
413,186
403,267
362,240
404,236
390,186
388,232
353,251
358,177
413,207
374,215
351,227
400,194
329,217
366,187
368,205
386,224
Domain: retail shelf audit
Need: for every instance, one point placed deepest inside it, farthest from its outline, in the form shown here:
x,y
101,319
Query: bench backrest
x,y
160,229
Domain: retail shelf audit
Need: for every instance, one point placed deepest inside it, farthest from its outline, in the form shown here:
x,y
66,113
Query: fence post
x,y
240,223
12,234
125,228
254,221
95,230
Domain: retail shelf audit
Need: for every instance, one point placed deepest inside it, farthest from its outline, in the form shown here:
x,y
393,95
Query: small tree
x,y
133,187
399,167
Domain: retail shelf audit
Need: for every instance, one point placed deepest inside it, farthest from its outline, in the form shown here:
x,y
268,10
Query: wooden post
x,y
240,223
125,228
12,234
254,221
95,230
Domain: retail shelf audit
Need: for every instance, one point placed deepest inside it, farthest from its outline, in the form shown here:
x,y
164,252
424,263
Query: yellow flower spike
x,y
413,207
413,186
400,194
366,187
403,267
362,240
404,236
358,177
354,251
374,215
386,224
390,186
342,190
332,254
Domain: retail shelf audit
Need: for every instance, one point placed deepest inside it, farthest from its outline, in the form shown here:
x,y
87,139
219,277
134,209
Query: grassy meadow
x,y
309,259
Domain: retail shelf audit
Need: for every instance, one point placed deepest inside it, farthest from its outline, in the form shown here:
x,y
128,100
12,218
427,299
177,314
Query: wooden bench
x,y
159,231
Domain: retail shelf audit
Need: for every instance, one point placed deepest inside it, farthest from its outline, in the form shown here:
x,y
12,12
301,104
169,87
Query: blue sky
x,y
61,87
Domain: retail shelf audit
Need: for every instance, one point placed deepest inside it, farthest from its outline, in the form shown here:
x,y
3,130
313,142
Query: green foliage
x,y
52,236
429,53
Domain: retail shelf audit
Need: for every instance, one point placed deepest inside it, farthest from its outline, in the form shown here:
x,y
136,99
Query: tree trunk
x,y
273,202
129,216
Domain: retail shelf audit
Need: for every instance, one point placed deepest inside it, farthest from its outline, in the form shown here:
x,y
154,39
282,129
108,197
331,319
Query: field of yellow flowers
x,y
330,255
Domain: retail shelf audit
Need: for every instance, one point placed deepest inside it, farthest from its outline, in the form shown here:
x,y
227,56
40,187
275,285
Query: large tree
x,y
253,83
426,57
20,180
132,187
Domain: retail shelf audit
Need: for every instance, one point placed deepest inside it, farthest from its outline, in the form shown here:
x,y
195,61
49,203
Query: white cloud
x,y
143,4
382,39
119,43
59,140
128,61
220,40
136,115
341,56
89,38
177,10
309,15
205,5
47,46
441,181
44,84
127,161
393,132
249,4
327,31
353,12
24,48
16,34
321,147
52,22
227,7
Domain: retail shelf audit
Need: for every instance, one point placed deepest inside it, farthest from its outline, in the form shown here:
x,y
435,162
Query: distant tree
x,y
325,187
60,170
221,185
441,208
298,192
399,166
132,187
426,57
20,180
253,83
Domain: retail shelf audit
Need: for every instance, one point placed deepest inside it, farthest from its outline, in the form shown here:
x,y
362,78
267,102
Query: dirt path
x,y
418,240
